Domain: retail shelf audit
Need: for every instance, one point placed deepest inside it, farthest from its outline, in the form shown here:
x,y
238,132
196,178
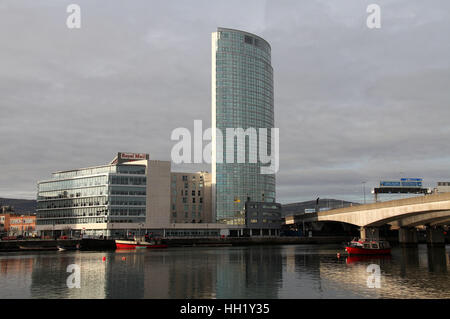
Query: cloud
x,y
352,104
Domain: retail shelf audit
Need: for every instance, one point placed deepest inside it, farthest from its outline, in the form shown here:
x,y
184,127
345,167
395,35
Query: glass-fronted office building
x,y
242,97
91,198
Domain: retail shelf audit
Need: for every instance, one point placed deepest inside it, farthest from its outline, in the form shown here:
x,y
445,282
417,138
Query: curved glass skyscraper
x,y
242,97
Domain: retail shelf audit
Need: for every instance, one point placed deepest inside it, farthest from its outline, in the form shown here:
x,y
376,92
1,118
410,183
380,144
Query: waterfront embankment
x,y
109,244
51,244
247,241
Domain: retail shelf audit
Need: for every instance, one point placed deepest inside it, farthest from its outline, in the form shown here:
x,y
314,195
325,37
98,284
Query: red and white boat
x,y
368,247
136,244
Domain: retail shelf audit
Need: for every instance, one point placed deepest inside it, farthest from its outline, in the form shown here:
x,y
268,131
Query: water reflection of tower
x,y
194,274
255,272
125,278
156,275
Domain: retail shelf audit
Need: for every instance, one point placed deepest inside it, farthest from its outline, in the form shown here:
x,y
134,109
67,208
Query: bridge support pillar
x,y
407,236
369,233
435,237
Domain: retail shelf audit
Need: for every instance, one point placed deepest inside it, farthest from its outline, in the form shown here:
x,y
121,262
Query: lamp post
x,y
364,191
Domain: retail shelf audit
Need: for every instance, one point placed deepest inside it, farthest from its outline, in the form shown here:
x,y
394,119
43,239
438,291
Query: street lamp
x,y
364,191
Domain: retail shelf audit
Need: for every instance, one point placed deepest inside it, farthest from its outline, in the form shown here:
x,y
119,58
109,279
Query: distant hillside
x,y
21,206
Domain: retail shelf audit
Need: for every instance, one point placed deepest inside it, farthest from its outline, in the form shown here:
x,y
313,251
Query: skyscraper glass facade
x,y
242,97
111,193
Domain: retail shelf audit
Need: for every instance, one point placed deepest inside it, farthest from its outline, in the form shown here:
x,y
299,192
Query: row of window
x,y
186,185
242,51
185,178
186,214
131,169
235,37
81,202
73,183
133,220
186,207
127,211
186,233
84,172
75,212
122,169
185,192
21,221
134,191
90,212
127,180
264,221
82,192
185,200
71,221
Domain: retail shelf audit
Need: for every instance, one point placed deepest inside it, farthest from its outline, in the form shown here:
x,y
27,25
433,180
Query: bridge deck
x,y
393,203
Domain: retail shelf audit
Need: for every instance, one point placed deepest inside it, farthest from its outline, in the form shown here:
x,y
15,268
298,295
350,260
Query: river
x,y
251,272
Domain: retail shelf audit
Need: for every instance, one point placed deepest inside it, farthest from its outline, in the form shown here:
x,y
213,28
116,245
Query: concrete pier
x,y
407,236
369,233
435,236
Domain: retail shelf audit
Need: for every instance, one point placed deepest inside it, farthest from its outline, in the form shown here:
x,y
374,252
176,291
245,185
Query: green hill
x,y
21,206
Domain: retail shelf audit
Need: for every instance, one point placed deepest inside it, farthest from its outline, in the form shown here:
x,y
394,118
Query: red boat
x,y
368,247
366,258
136,244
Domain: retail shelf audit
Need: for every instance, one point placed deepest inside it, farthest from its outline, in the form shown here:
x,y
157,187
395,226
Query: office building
x,y
190,195
131,192
262,219
242,97
442,187
23,225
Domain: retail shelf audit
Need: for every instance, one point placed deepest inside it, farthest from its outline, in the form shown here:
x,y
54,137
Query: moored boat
x,y
137,244
368,247
37,248
366,258
64,247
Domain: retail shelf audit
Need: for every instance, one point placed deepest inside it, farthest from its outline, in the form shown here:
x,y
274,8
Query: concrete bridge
x,y
432,211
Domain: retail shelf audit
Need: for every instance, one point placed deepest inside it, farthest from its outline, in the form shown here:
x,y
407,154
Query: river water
x,y
253,272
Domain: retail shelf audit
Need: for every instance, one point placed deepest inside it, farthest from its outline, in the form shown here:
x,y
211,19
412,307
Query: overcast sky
x,y
353,104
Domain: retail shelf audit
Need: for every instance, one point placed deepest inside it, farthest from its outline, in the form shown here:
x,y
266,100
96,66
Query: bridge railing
x,y
393,203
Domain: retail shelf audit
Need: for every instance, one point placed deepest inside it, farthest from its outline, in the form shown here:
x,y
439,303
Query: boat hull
x,y
365,251
37,248
122,245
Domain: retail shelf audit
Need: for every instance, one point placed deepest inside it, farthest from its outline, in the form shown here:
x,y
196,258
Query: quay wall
x,y
51,244
246,241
